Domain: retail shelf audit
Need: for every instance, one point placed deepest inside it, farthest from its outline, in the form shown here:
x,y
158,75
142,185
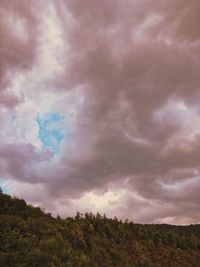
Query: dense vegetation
x,y
30,238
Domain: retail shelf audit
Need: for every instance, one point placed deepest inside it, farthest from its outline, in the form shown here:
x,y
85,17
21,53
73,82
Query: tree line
x,y
31,237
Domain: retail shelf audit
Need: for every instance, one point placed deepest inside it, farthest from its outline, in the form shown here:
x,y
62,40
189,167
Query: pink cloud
x,y
116,73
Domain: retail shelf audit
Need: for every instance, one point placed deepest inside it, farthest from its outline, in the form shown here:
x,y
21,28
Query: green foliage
x,y
29,237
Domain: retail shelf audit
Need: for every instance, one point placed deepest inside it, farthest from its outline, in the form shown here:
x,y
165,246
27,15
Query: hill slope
x,y
30,238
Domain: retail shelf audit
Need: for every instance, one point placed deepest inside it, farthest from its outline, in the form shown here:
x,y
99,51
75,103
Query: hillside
x,y
31,238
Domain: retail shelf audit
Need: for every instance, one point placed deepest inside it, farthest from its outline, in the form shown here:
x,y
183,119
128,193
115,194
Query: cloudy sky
x,y
100,107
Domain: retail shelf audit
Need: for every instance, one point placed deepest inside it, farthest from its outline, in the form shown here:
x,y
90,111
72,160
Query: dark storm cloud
x,y
16,53
136,63
18,159
134,57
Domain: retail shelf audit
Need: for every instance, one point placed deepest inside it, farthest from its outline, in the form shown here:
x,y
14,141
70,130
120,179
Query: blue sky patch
x,y
51,131
4,188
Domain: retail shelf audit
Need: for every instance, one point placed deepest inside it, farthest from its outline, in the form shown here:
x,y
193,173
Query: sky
x,y
100,107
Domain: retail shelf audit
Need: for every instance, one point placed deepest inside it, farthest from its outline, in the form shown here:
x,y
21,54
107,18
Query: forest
x,y
29,237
